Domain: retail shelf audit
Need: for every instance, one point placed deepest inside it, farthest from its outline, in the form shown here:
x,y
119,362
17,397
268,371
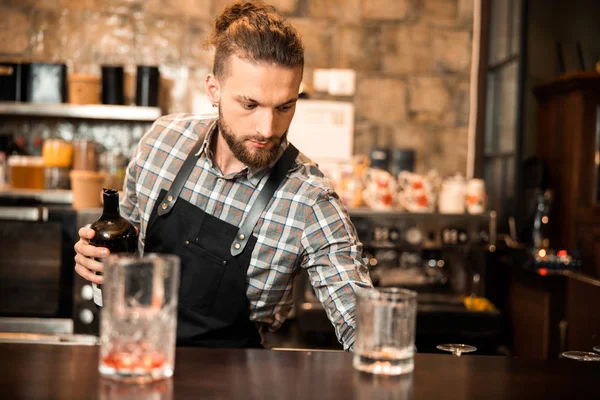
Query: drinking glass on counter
x,y
385,331
115,390
457,349
580,355
597,349
139,317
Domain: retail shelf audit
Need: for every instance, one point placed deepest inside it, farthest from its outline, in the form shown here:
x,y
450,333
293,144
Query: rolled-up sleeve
x,y
333,260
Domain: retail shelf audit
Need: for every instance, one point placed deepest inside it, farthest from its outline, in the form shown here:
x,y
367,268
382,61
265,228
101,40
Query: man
x,y
236,202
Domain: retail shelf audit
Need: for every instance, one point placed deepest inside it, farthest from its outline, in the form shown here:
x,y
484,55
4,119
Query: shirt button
x,y
237,246
187,242
224,262
242,236
169,198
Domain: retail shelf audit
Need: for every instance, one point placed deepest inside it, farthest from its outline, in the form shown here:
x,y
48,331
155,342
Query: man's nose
x,y
266,124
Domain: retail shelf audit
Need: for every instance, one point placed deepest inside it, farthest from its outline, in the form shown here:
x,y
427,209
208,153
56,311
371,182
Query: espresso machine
x,y
443,257
433,254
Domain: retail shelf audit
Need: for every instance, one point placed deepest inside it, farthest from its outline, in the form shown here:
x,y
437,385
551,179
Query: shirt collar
x,y
254,175
205,147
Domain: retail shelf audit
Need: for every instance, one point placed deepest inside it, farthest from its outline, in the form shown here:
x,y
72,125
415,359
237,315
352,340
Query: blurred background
x,y
463,136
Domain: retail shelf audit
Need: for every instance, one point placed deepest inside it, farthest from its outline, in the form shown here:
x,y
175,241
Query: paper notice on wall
x,y
323,130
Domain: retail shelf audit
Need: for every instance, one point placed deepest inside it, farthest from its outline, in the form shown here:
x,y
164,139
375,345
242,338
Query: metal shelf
x,y
368,212
100,111
41,196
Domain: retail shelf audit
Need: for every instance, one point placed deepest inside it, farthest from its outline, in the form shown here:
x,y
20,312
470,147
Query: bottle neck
x,y
111,205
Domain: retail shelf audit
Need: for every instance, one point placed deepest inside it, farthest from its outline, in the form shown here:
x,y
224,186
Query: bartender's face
x,y
256,107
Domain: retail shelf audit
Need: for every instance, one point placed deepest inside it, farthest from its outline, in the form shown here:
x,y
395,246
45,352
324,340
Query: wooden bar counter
x,y
42,371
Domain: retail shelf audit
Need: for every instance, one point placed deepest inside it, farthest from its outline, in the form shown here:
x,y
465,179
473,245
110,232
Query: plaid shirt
x,y
305,224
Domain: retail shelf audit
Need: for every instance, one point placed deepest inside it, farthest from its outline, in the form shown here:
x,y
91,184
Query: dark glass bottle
x,y
113,232
541,222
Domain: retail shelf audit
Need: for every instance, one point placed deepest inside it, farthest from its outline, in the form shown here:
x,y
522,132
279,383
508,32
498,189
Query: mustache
x,y
262,140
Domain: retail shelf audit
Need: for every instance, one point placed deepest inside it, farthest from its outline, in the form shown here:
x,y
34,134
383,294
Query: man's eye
x,y
284,108
249,106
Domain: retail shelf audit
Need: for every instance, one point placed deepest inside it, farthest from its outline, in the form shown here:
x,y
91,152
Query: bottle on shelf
x,y
541,222
113,232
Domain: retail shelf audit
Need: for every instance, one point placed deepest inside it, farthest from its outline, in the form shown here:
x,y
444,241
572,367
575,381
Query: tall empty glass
x,y
139,317
385,331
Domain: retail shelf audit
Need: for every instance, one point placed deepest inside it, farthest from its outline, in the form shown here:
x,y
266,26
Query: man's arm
x,y
334,263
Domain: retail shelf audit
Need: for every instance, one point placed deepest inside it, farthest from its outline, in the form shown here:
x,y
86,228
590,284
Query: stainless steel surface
x,y
103,112
59,339
414,231
86,315
36,325
32,214
43,196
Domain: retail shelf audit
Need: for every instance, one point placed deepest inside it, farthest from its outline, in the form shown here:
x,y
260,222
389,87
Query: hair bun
x,y
256,32
237,11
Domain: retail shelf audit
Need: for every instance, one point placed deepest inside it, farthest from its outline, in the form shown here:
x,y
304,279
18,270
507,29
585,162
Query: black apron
x,y
213,308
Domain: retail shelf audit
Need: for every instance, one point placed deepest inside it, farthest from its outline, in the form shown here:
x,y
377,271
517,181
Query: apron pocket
x,y
200,277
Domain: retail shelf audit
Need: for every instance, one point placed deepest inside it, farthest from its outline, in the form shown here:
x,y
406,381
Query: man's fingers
x,y
88,275
85,263
88,263
86,233
87,250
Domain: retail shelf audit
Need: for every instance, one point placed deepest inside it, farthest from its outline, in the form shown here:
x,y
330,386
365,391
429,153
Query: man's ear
x,y
213,89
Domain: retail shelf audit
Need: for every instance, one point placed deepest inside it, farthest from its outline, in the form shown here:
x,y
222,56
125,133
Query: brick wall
x,y
412,57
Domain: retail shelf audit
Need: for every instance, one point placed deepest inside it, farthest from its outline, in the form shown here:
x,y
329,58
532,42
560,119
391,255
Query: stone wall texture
x,y
412,57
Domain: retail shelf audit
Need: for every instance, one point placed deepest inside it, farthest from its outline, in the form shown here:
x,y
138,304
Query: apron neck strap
x,y
277,176
168,202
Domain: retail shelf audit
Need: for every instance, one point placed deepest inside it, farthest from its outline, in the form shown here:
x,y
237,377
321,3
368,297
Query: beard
x,y
253,158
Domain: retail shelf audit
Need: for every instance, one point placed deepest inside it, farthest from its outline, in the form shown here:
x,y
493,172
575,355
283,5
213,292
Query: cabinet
x,y
536,308
550,314
582,316
568,140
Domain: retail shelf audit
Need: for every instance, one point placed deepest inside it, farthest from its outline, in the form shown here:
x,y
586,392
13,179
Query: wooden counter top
x,y
35,371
